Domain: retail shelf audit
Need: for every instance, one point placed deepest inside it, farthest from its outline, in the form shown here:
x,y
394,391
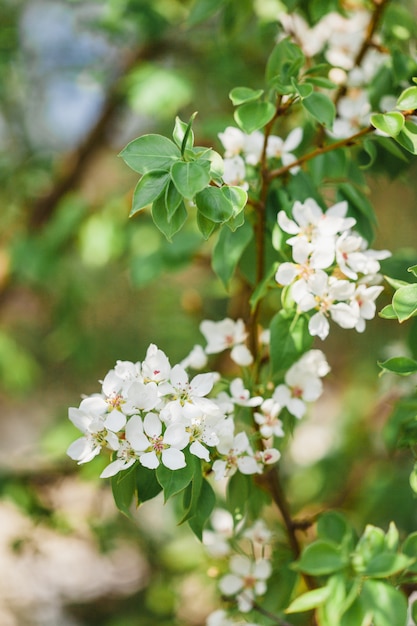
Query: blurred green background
x,y
81,286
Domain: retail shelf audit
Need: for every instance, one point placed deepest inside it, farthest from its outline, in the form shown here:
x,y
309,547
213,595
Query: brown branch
x,y
74,164
348,141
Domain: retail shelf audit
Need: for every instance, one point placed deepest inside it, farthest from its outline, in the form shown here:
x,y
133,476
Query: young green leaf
x,y
190,177
214,204
407,101
123,487
389,123
289,339
228,250
254,115
150,152
180,131
147,484
239,95
407,138
173,482
168,225
149,188
321,108
404,302
203,510
388,313
387,564
322,557
205,225
309,600
402,365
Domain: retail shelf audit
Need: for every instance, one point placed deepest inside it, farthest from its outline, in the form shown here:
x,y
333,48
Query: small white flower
x,y
197,359
241,355
223,334
246,580
235,172
238,455
98,432
365,298
267,418
156,367
280,149
242,396
165,448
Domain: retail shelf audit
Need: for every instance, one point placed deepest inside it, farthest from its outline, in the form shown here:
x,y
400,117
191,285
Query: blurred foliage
x,y
78,80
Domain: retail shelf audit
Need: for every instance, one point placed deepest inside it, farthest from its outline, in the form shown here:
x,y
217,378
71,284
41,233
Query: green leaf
x,y
150,152
264,286
309,600
321,81
204,508
173,199
333,526
389,123
123,487
190,178
401,365
407,100
239,95
321,557
254,115
392,537
386,564
147,484
330,612
387,604
285,62
214,204
388,313
168,224
228,250
236,196
180,133
413,270
237,495
404,302
149,188
191,497
413,479
174,481
396,283
304,90
203,9
321,108
205,226
409,548
407,138
289,340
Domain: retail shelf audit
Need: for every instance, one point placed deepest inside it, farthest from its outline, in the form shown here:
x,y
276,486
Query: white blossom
x,y
246,581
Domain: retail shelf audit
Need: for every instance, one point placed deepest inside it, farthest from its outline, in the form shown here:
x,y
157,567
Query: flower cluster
x,y
338,38
333,273
247,572
242,150
152,413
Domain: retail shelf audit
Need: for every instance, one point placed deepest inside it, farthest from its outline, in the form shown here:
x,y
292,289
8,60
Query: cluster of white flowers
x,y
248,571
333,272
242,150
339,38
151,413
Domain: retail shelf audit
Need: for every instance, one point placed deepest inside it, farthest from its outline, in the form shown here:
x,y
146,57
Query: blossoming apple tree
x,y
281,193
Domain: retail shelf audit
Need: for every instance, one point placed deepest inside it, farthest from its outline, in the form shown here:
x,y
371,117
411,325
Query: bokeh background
x,y
81,286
